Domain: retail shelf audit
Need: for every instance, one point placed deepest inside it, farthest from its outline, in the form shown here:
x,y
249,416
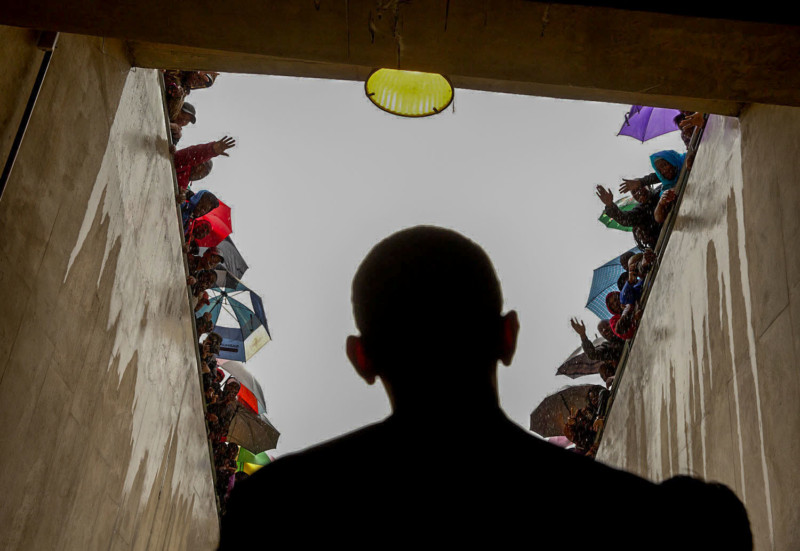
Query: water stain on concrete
x,y
99,388
715,367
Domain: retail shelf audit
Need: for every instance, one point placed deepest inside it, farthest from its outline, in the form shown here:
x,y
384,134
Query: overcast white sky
x,y
319,175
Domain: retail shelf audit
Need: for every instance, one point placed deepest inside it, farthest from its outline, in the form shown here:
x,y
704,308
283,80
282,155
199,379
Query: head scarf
x,y
675,159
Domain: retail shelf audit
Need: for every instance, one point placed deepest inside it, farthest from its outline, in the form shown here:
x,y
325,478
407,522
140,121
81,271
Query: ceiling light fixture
x,y
409,93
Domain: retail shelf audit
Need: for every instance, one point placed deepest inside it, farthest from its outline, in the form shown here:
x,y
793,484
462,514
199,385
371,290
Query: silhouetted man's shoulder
x,y
395,482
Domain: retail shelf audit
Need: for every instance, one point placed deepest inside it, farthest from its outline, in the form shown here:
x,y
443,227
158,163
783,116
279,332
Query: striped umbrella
x,y
238,316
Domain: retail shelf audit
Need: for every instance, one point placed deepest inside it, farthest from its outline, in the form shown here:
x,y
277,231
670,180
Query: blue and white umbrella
x,y
238,316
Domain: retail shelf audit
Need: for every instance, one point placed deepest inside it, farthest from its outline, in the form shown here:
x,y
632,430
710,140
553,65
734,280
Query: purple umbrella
x,y
645,123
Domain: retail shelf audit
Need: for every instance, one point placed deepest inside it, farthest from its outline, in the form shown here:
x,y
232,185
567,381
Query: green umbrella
x,y
625,204
250,462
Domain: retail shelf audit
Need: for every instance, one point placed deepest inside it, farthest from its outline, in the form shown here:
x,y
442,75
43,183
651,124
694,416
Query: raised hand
x,y
222,145
578,326
629,186
695,119
605,195
668,196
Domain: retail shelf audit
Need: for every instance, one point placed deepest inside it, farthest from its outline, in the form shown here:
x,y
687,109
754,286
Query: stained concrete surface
x,y
711,386
518,46
21,60
104,445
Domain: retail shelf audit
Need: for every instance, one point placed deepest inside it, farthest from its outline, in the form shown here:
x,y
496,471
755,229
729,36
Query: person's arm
x,y
635,217
631,185
664,206
631,292
592,352
626,320
690,121
194,155
586,344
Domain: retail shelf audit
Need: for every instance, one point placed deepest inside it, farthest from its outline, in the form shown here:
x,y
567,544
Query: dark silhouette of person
x,y
713,515
447,468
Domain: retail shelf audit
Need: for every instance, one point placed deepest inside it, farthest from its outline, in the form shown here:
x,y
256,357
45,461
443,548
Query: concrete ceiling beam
x,y
517,46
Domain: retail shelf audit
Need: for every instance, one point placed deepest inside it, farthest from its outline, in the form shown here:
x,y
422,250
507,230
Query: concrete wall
x,y
20,62
712,384
517,46
103,442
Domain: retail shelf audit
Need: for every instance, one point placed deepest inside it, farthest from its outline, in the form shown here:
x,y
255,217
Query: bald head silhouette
x,y
427,302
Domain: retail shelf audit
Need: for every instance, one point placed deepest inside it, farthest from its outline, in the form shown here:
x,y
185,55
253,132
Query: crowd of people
x,y
655,196
192,164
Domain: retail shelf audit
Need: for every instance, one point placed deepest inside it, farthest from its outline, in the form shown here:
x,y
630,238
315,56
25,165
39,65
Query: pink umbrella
x,y
560,441
221,227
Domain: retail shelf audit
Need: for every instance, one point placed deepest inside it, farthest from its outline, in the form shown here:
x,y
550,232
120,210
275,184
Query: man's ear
x,y
510,331
358,357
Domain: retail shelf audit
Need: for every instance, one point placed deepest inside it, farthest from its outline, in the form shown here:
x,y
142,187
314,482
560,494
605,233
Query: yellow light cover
x,y
409,93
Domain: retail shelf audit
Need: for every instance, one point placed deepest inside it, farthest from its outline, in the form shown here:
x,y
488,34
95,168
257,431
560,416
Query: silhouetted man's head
x,y
428,298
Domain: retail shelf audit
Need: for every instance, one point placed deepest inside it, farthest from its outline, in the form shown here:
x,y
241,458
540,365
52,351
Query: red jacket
x,y
625,336
188,158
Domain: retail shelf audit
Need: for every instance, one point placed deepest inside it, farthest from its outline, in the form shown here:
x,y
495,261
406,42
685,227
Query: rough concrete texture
x,y
104,445
21,60
711,386
517,46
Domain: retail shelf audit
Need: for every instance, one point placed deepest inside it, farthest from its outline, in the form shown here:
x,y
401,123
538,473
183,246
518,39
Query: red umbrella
x,y
221,227
250,394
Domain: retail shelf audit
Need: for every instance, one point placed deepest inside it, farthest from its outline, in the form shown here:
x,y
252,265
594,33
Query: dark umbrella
x,y
645,123
234,262
252,431
550,416
604,280
578,364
